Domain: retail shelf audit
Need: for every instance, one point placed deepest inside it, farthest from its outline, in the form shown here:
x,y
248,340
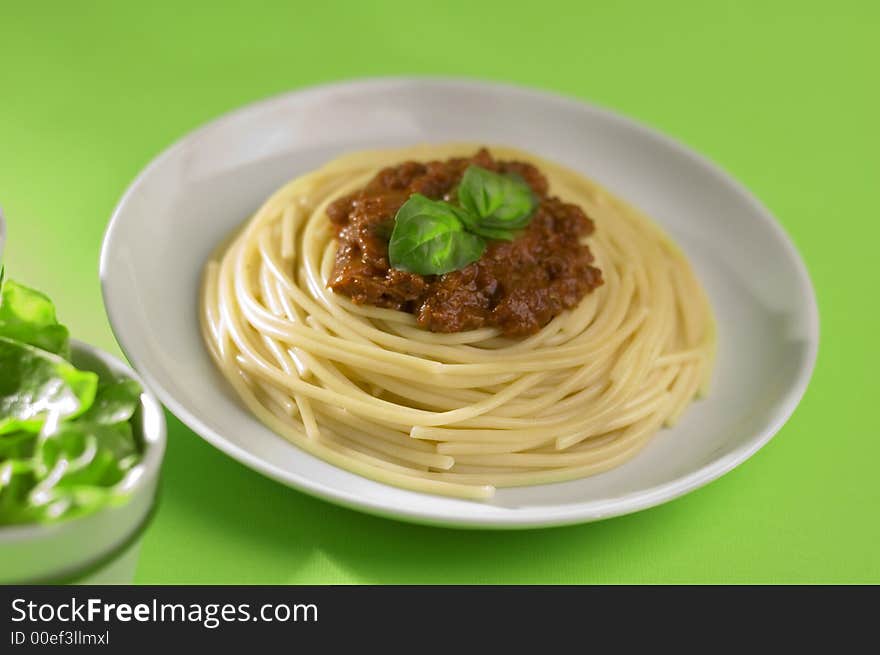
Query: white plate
x,y
194,193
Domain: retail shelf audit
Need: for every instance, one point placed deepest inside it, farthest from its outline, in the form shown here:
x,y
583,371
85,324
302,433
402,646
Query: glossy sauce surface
x,y
517,286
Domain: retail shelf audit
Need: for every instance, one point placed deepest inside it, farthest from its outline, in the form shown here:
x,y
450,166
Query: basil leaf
x,y
35,383
429,238
495,200
473,224
29,316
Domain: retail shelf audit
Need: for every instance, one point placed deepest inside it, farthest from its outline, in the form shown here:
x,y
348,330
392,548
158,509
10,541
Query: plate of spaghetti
x,y
459,303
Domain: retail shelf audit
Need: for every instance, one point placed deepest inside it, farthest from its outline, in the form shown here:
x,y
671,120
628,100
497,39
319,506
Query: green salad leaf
x,y
66,438
15,488
36,384
17,447
115,402
95,454
429,238
28,316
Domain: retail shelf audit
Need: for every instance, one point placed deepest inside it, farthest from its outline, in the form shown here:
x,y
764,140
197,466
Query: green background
x,y
784,95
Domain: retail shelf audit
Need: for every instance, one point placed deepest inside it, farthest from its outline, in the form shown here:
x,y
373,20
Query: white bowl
x,y
100,547
190,197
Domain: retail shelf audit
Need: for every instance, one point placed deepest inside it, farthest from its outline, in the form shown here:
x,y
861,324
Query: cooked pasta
x,y
459,413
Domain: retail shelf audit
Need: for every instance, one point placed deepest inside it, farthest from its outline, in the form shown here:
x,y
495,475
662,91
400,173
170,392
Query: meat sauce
x,y
517,286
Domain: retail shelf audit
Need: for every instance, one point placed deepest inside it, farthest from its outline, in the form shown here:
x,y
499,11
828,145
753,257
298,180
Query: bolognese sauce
x,y
517,286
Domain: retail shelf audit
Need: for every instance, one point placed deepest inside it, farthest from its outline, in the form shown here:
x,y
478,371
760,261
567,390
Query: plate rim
x,y
568,515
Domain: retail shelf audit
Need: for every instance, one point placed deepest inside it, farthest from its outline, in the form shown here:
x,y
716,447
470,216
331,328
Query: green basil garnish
x,y
429,238
432,237
499,234
496,201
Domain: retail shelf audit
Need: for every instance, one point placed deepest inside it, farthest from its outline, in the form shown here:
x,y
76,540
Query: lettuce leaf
x,y
36,384
115,402
28,316
69,466
110,451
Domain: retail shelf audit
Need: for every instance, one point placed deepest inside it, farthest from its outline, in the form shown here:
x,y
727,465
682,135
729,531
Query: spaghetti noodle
x,y
461,413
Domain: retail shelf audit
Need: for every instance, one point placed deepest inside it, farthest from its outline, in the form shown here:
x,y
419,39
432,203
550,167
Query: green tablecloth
x,y
784,95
